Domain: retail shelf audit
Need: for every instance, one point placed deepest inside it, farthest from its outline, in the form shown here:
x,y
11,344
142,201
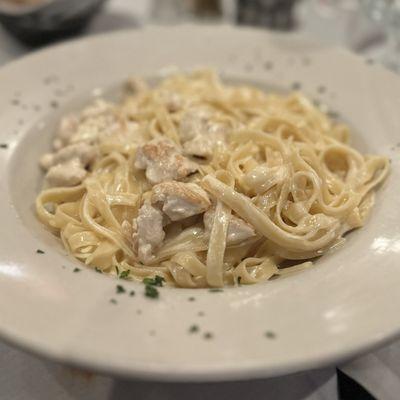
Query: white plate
x,y
347,304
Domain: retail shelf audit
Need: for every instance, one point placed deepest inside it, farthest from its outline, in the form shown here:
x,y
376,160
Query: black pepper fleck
x,y
4,146
15,102
268,65
50,79
54,104
77,270
208,335
191,299
38,251
132,293
215,290
138,312
201,314
321,89
113,301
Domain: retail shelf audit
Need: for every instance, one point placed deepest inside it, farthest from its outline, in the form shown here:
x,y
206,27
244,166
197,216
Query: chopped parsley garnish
x,y
333,114
194,329
270,335
38,251
192,298
77,269
151,291
215,290
113,301
120,289
117,270
124,274
132,293
97,269
4,145
156,281
208,335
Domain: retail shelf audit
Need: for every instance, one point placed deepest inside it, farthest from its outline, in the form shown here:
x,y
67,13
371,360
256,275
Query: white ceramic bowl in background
x,y
347,304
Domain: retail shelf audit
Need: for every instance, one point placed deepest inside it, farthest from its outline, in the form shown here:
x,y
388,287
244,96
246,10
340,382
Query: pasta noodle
x,y
204,184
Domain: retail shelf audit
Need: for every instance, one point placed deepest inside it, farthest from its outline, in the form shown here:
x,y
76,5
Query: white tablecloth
x,y
23,376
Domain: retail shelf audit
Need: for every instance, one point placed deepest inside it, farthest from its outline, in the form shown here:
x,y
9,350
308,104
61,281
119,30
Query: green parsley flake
x,y
270,335
38,251
215,290
117,270
76,270
97,269
120,289
194,329
156,281
151,291
4,145
124,274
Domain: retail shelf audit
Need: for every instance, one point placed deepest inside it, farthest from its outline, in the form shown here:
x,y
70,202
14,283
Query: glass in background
x,y
340,22
386,13
273,14
178,11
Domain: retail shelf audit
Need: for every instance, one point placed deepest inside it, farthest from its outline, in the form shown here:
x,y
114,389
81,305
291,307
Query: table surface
x,y
23,376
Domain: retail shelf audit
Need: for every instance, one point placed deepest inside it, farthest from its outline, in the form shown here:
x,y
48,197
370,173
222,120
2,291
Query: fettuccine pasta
x,y
204,184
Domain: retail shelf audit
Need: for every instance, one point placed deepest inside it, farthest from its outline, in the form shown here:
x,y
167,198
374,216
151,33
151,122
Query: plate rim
x,y
164,373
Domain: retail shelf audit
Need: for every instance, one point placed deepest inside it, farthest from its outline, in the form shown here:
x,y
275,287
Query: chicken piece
x,y
68,127
202,146
149,233
80,151
180,200
193,123
98,121
199,134
70,173
163,162
238,230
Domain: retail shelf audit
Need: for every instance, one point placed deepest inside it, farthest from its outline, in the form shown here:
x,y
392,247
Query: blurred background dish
x,y
41,21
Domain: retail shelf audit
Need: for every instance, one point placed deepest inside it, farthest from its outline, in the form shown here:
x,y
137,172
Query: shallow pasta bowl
x,y
53,306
